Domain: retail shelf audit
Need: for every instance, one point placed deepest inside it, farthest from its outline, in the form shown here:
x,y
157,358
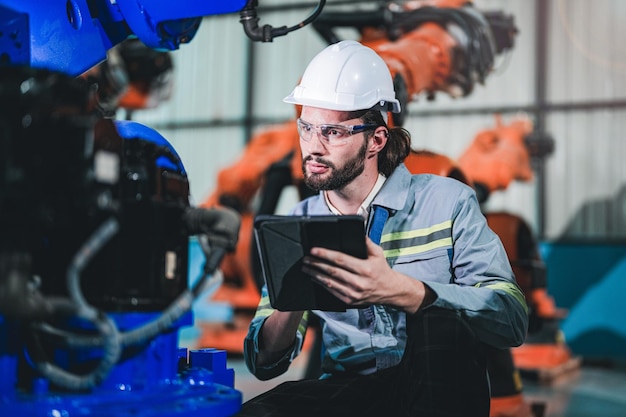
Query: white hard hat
x,y
346,76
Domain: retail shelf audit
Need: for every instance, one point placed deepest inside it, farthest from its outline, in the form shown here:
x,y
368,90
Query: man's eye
x,y
337,133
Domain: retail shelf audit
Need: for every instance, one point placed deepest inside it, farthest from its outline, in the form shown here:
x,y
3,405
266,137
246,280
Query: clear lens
x,y
330,134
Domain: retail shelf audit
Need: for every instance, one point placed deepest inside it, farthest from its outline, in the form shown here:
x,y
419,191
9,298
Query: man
x,y
436,283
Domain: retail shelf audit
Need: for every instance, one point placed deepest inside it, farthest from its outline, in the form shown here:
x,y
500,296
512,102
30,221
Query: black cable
x,y
266,33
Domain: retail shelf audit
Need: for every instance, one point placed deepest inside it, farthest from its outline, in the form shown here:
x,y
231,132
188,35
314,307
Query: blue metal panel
x,y
62,34
14,37
72,36
587,279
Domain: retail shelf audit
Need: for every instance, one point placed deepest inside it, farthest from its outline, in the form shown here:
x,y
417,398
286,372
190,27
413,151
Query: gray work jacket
x,y
436,233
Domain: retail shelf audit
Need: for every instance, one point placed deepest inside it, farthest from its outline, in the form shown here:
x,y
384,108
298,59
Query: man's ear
x,y
378,140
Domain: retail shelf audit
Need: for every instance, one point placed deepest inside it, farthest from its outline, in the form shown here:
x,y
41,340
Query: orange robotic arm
x,y
238,183
426,162
429,46
237,186
496,157
499,155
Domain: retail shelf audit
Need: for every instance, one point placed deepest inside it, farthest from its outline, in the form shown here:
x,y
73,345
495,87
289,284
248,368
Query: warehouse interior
x,y
547,83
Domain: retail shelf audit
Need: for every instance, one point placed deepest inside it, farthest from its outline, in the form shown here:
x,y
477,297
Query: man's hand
x,y
366,281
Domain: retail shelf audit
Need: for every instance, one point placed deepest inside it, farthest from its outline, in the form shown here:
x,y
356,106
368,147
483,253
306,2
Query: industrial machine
x,y
95,222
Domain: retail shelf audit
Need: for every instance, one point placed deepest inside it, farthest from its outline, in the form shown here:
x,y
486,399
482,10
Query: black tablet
x,y
283,241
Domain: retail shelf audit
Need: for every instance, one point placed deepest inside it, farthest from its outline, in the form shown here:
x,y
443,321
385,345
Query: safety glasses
x,y
332,135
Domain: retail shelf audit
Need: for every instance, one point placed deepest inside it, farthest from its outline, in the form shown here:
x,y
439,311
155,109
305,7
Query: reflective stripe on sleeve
x,y
511,289
417,241
264,309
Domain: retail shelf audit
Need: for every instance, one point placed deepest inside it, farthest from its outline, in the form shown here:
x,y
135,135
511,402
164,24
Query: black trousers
x,y
443,373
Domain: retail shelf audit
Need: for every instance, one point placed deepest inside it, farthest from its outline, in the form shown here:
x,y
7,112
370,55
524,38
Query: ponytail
x,y
398,142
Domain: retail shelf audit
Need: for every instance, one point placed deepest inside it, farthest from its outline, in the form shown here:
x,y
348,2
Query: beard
x,y
339,177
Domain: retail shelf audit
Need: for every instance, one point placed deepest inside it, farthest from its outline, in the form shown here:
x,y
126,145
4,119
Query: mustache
x,y
318,160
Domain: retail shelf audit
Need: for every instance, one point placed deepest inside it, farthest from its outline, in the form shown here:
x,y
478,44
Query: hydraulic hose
x,y
106,327
219,230
267,33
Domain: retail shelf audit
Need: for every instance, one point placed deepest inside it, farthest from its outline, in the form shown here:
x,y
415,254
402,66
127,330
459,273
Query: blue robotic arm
x,y
72,36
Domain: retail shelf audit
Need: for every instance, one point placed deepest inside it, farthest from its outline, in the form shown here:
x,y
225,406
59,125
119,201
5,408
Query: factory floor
x,y
588,391
591,389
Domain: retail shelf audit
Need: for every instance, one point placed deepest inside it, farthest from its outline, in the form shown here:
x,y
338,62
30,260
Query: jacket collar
x,y
394,193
